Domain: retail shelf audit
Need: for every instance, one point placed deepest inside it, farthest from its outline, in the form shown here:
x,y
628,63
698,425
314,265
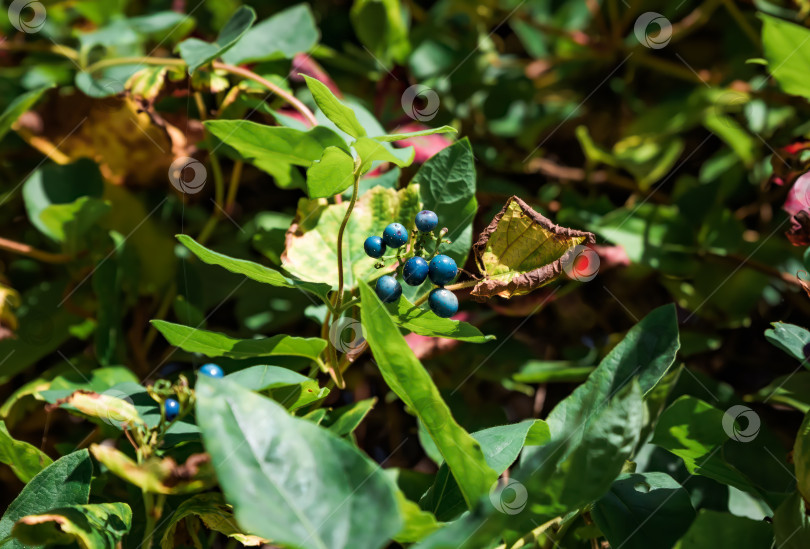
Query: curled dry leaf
x,y
521,251
159,476
103,406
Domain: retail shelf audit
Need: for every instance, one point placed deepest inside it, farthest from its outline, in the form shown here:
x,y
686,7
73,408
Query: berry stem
x,y
451,287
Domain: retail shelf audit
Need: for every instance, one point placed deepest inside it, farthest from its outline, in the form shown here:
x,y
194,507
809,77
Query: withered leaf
x,y
521,251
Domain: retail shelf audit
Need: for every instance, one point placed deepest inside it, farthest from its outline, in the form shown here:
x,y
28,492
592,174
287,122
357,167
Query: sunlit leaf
x,y
254,271
405,376
214,344
319,489
331,175
425,322
281,36
343,116
24,459
65,482
411,135
521,251
197,53
783,44
96,526
17,107
311,252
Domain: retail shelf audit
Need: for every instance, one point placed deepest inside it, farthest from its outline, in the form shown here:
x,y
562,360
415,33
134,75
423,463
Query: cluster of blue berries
x,y
171,406
441,269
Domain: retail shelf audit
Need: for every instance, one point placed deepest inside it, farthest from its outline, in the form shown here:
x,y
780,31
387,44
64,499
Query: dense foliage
x,y
398,274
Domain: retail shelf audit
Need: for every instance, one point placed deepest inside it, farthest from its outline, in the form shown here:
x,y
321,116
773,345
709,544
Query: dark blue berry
x,y
426,221
172,408
443,302
415,271
388,289
374,246
211,370
442,270
395,235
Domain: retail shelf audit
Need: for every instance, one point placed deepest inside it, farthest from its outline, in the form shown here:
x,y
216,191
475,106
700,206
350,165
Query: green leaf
x,y
501,446
521,251
417,523
696,432
410,135
68,223
371,150
646,353
252,270
214,344
410,381
24,459
331,175
786,48
311,252
640,507
289,388
381,27
97,526
791,390
716,530
214,513
281,36
580,464
18,106
425,322
65,482
343,117
56,189
792,339
343,501
552,371
447,187
791,525
197,53
344,420
275,149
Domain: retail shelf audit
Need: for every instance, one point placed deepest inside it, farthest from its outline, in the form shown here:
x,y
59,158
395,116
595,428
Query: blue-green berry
x,y
395,235
443,302
374,246
442,270
211,370
171,408
388,289
427,221
415,271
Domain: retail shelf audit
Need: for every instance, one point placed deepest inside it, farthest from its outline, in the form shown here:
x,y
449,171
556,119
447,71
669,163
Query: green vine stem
x,y
334,369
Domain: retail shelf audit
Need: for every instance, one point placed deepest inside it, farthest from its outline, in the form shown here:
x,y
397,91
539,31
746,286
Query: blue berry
x,y
172,408
442,270
388,289
211,370
443,302
415,271
374,246
395,235
426,221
